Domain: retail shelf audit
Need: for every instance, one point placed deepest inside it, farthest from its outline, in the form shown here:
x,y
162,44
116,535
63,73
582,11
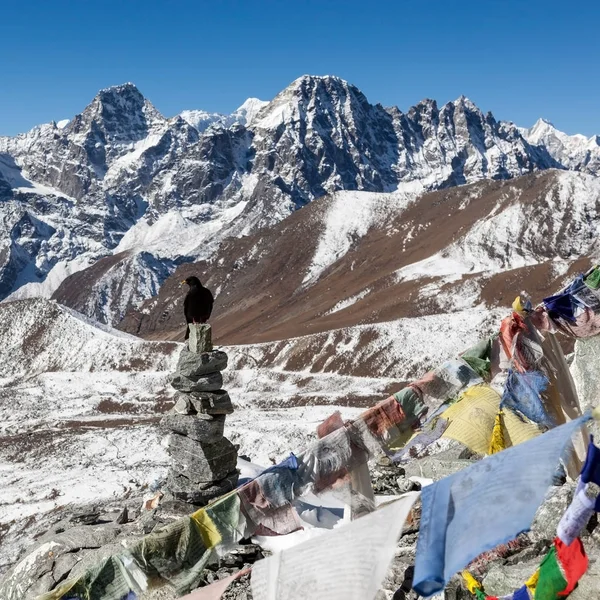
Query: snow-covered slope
x,y
358,257
80,403
121,179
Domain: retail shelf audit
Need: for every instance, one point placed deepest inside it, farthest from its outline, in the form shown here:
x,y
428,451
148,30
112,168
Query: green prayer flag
x,y
551,581
593,279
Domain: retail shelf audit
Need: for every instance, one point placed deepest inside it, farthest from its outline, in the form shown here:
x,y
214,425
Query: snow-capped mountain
x,y
369,258
575,152
122,181
202,120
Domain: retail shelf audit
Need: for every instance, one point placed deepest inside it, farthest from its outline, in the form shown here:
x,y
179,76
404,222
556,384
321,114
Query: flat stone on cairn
x,y
203,461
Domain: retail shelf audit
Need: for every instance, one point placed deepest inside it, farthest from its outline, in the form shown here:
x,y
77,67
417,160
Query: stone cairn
x,y
203,461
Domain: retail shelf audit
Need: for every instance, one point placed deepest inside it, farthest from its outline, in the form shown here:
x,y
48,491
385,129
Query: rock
x,y
192,364
153,502
123,517
200,339
201,462
550,512
34,574
215,403
63,565
504,579
406,485
183,404
202,403
585,372
435,467
184,489
205,383
203,427
85,518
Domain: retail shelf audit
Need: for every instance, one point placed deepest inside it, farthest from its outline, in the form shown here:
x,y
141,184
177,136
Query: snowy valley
x,y
351,248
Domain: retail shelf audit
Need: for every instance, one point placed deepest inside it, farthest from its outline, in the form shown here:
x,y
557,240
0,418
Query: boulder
x,y
200,462
184,489
200,339
202,403
192,364
202,427
217,403
205,383
585,372
183,404
504,579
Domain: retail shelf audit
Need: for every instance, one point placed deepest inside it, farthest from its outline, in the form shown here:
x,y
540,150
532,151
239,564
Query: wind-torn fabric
x,y
585,325
578,514
261,519
497,443
562,306
592,280
590,473
349,563
445,382
551,581
387,420
589,298
330,424
486,504
411,402
510,328
418,443
573,561
561,400
522,393
210,534
107,580
278,486
226,515
175,552
472,421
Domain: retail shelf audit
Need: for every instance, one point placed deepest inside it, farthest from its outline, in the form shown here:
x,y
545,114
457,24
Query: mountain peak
x,y
121,112
248,110
124,88
465,103
542,124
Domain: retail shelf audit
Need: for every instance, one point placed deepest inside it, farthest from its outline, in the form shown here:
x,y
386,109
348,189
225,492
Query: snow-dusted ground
x,y
80,403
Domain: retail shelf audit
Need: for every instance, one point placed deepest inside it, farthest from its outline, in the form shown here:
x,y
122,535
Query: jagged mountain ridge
x,y
362,258
121,180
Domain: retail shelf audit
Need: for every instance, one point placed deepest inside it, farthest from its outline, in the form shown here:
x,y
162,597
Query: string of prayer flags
x,y
472,511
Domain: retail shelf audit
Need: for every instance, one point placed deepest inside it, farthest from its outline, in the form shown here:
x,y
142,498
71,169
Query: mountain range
x,y
101,210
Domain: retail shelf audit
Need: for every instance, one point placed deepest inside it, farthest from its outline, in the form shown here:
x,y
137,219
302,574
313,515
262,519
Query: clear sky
x,y
521,59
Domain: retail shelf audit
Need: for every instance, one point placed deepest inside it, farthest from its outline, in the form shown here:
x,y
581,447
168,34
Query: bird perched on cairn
x,y
198,303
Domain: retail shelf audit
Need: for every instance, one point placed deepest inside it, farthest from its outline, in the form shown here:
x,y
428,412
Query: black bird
x,y
198,303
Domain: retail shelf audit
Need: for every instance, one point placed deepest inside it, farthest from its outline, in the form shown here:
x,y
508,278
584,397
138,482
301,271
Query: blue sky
x,y
520,59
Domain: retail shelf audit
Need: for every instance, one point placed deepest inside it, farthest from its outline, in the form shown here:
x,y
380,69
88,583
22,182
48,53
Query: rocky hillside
x,y
357,258
122,181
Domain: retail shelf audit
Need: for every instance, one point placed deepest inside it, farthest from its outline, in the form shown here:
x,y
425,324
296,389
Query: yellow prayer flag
x,y
472,421
532,582
210,534
517,306
497,443
470,581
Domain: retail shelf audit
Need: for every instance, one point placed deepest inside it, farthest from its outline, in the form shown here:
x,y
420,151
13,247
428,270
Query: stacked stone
x,y
203,461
